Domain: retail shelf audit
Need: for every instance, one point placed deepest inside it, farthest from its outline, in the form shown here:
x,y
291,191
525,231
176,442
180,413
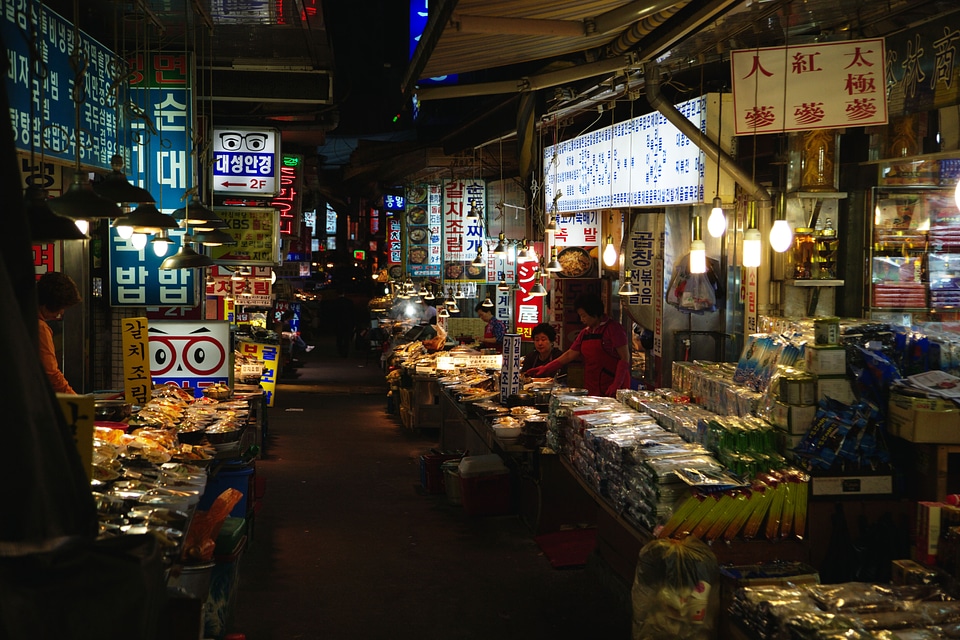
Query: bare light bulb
x,y
781,236
698,257
609,253
160,248
83,225
717,222
138,240
751,247
124,231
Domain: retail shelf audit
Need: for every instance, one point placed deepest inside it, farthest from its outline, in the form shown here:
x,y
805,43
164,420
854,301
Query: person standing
x,y
602,345
544,349
56,292
494,330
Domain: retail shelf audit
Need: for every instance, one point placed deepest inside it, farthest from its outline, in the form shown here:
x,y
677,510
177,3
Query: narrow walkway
x,y
346,545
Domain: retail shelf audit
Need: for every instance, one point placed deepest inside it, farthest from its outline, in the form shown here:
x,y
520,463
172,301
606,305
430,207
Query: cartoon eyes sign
x,y
190,354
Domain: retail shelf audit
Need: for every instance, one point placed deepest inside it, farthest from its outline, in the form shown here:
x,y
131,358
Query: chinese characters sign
x,y
923,66
53,128
136,366
257,232
423,223
644,161
816,86
246,161
190,354
528,309
136,279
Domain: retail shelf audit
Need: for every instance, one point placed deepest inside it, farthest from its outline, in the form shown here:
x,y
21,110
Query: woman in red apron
x,y
602,345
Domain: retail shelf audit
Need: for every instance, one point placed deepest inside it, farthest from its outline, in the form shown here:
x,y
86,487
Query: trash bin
x,y
224,584
232,476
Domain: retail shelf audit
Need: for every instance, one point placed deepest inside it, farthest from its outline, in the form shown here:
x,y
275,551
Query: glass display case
x,y
914,258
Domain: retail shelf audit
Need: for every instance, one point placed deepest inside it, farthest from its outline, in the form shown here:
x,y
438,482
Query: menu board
x,y
422,230
257,232
577,240
462,236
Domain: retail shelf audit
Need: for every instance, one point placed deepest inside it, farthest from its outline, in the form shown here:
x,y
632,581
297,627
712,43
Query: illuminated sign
x,y
287,201
359,254
246,161
136,279
190,354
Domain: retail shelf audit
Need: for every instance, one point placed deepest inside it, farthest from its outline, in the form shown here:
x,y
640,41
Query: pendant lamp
x,y
627,288
45,225
145,219
81,201
186,258
116,188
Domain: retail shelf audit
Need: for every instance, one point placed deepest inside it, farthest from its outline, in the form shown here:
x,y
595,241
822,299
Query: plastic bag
x,y
676,592
201,539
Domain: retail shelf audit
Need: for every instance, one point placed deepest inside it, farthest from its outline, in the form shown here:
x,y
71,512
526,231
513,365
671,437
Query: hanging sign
x,y
422,223
268,356
528,309
136,279
257,232
190,354
922,72
136,365
462,236
827,85
577,240
246,161
54,127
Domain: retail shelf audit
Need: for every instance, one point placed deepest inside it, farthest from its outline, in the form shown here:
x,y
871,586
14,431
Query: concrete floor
x,y
347,545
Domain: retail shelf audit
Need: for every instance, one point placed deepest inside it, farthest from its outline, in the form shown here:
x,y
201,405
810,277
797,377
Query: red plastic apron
x,y
599,367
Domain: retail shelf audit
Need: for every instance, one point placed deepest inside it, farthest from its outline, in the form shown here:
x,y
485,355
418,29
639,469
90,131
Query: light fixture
x,y
186,258
502,285
123,230
45,225
449,301
698,250
454,308
554,265
500,251
116,188
474,213
751,239
213,238
194,213
213,223
83,225
144,219
442,312
429,295
552,225
161,244
717,222
236,276
478,259
81,202
487,303
627,288
537,289
781,235
138,240
609,253
523,254
210,279
460,294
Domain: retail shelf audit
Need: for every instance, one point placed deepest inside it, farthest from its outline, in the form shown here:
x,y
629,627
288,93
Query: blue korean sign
x,y
53,128
162,162
246,161
419,15
136,279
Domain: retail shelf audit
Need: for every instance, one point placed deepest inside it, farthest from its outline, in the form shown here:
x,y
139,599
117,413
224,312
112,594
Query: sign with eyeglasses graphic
x,y
246,161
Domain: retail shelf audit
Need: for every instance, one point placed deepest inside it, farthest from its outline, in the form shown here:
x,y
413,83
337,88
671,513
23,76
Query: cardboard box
x,y
851,485
793,419
837,388
826,360
931,420
928,532
911,572
787,442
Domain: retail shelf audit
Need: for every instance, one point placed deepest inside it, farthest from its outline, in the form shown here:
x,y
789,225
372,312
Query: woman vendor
x,y
544,337
602,345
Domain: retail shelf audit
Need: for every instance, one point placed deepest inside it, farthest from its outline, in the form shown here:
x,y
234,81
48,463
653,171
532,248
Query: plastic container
x,y
451,483
224,583
484,485
431,474
240,478
194,580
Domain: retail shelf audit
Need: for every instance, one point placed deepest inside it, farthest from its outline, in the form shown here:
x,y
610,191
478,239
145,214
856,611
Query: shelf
x,y
826,195
814,283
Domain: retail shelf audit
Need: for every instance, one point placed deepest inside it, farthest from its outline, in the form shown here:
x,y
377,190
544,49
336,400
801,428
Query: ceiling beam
x,y
516,26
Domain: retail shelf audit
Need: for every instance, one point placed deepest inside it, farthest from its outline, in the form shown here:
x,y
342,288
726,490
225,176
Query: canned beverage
x,y
826,331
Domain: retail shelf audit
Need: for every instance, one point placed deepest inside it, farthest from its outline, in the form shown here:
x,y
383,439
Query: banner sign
x,y
53,128
136,279
268,355
246,161
161,155
422,230
462,236
528,309
257,232
644,161
922,71
190,354
136,365
827,85
395,245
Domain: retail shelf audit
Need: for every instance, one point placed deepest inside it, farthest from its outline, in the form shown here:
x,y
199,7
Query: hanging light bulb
x,y
478,259
210,281
552,225
429,295
138,240
460,294
487,302
454,308
161,244
554,265
698,250
717,222
781,235
609,253
538,290
442,312
474,213
500,251
751,240
502,285
123,230
627,288
84,225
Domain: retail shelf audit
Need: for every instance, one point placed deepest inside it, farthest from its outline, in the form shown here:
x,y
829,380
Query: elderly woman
x,y
544,349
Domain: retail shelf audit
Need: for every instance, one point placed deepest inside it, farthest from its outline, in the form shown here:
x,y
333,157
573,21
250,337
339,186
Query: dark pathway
x,y
345,544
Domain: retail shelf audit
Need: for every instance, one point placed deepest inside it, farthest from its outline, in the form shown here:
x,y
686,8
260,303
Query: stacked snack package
x,y
848,438
711,385
761,355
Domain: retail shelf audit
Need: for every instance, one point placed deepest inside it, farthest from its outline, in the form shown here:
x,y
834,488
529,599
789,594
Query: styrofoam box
x,y
490,464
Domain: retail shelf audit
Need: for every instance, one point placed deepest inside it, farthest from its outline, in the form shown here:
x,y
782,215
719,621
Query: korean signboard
x,y
644,161
257,232
422,230
268,355
577,240
190,354
254,290
528,309
162,161
246,161
136,364
817,86
136,279
395,245
54,38
287,201
463,236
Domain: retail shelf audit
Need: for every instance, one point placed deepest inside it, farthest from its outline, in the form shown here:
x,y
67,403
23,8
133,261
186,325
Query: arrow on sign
x,y
234,184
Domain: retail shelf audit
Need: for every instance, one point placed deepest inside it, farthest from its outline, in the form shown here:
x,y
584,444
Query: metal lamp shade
x,y
81,201
45,225
147,219
194,213
186,258
214,238
116,188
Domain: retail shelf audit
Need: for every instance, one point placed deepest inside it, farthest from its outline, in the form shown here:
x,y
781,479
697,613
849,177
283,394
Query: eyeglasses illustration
x,y
253,141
